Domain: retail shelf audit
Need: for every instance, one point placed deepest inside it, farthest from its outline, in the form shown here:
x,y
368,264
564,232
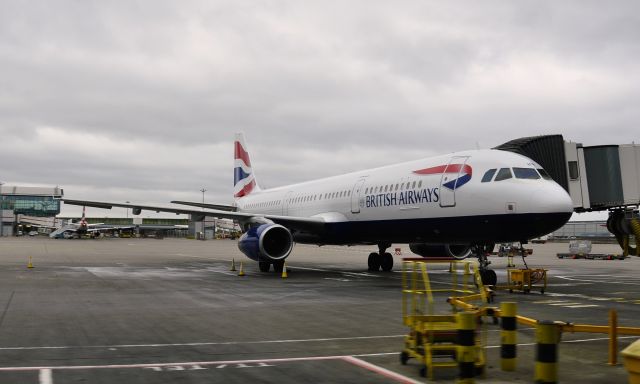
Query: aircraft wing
x,y
219,207
292,222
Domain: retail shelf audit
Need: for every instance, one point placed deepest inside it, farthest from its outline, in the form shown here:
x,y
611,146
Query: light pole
x,y
203,217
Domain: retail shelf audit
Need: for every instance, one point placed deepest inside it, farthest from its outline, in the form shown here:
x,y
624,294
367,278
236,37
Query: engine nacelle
x,y
136,211
266,242
457,251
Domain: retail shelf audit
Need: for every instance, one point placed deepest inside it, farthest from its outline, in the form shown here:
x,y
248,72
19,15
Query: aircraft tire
x,y
386,262
374,262
278,266
264,266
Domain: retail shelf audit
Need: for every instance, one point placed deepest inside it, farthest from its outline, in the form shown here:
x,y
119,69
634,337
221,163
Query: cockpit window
x,y
488,175
525,173
503,174
544,174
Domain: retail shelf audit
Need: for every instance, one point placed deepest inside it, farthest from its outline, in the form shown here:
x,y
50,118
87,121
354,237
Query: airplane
x,y
82,227
437,205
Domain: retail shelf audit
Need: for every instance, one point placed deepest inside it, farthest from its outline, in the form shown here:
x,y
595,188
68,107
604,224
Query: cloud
x,y
141,99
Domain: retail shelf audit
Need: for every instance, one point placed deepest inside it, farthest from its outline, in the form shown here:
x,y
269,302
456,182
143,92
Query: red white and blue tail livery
x,y
244,181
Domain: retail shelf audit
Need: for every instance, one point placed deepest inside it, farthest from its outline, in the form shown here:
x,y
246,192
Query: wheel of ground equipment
x,y
404,357
386,262
374,261
264,266
278,266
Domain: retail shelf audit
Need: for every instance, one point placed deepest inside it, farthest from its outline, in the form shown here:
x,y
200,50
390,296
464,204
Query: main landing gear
x,y
487,275
381,260
265,266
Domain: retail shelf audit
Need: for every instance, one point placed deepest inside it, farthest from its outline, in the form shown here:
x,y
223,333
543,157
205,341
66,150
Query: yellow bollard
x,y
30,265
547,339
241,273
613,337
284,270
233,265
466,350
508,336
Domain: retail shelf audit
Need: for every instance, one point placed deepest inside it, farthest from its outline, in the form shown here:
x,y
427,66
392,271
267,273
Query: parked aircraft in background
x,y
82,228
438,205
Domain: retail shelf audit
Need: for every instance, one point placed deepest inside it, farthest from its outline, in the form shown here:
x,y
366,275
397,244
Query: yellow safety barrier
x,y
466,351
547,338
508,336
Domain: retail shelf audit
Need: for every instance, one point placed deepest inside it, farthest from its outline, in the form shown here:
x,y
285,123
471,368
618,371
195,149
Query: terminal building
x,y
16,202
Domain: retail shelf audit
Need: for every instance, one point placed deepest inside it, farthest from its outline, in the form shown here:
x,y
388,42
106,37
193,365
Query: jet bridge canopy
x,y
598,178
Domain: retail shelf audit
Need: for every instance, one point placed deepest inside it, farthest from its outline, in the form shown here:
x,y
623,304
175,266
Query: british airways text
x,y
421,196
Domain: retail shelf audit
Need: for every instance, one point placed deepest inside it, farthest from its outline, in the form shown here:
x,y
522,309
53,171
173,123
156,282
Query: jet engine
x,y
266,242
457,251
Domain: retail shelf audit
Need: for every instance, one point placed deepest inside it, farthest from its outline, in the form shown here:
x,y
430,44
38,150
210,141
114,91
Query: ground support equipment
x,y
433,338
591,256
525,280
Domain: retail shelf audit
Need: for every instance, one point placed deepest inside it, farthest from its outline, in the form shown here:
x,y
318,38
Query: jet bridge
x,y
598,178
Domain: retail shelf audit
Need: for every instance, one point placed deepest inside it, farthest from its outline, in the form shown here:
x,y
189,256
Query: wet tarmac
x,y
171,311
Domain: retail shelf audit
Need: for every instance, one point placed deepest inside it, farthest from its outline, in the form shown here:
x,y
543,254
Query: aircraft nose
x,y
553,199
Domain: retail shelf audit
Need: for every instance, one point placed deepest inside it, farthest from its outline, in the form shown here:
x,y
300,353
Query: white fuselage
x,y
413,194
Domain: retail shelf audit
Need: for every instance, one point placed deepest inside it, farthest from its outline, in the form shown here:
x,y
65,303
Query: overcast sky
x,y
139,101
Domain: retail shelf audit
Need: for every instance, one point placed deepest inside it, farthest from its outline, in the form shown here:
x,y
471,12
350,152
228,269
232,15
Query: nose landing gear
x,y
487,275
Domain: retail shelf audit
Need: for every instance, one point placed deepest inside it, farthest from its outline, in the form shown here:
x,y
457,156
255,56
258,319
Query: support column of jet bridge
x,y
508,336
547,339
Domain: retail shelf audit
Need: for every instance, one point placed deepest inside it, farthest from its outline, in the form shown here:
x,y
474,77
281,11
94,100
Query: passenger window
x,y
413,185
396,187
386,187
503,174
525,173
420,184
488,175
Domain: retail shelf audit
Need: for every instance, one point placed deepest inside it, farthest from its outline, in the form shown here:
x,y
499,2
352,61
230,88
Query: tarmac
x,y
171,311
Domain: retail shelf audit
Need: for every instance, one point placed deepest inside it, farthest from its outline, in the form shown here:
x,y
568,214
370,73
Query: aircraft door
x,y
355,196
449,180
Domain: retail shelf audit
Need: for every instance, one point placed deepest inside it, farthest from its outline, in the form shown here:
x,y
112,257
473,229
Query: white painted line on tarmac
x,y
46,376
201,343
566,303
549,301
582,306
356,274
256,361
616,281
379,370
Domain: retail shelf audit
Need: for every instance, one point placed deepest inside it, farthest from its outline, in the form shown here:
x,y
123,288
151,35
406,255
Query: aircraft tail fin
x,y
244,179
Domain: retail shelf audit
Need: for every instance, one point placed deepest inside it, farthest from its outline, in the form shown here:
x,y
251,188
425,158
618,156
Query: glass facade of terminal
x,y
43,206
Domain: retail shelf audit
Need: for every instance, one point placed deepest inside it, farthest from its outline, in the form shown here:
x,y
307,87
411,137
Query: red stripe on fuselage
x,y
451,168
246,189
240,153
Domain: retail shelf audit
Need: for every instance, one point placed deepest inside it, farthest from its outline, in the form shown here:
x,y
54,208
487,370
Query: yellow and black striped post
x,y
508,336
466,350
547,339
